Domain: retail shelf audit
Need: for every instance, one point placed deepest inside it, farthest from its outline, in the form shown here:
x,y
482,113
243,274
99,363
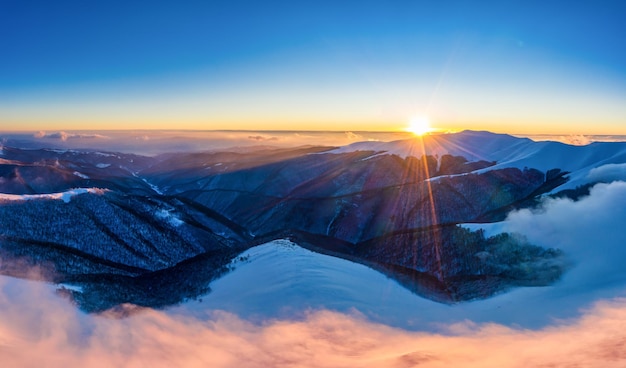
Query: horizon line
x,y
435,132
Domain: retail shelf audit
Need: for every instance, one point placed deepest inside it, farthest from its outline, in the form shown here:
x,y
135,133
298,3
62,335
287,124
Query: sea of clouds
x,y
38,329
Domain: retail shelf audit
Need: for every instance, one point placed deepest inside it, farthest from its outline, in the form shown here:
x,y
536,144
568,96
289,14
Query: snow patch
x,y
64,196
155,188
490,229
80,175
437,178
104,154
168,216
75,288
152,186
373,156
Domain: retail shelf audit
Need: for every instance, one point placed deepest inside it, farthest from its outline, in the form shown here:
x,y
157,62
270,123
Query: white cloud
x,y
590,231
575,140
350,136
64,136
608,173
261,138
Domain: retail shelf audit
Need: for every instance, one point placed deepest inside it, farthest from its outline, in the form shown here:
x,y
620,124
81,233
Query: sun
x,y
419,125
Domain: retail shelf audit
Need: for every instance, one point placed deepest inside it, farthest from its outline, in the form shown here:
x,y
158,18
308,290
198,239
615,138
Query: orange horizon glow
x,y
435,126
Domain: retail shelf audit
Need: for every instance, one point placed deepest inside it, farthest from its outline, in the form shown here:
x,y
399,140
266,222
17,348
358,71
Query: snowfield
x,y
169,217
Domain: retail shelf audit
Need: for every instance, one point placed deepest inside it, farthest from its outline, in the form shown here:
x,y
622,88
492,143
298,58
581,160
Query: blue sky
x,y
549,67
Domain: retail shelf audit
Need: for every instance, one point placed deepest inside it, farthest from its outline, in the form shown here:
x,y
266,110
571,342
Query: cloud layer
x,y
39,329
608,173
590,230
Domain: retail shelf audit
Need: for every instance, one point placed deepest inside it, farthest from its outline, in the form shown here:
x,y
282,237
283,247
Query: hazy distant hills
x,y
27,171
176,220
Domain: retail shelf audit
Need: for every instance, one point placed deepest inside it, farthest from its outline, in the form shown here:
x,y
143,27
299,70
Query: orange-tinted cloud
x,y
38,329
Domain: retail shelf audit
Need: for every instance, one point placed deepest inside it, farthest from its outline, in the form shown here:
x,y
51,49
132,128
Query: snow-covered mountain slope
x,y
507,151
472,145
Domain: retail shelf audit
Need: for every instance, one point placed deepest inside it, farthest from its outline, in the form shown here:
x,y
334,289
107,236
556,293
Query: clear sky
x,y
507,66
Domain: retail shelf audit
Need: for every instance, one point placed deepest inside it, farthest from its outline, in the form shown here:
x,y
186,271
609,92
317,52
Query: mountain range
x,y
157,230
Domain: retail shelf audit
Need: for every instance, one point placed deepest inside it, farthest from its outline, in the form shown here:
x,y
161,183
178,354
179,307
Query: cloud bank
x,y
64,136
608,173
590,230
262,138
575,140
38,328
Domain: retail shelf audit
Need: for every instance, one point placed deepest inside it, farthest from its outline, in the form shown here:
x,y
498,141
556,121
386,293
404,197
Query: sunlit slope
x,y
505,151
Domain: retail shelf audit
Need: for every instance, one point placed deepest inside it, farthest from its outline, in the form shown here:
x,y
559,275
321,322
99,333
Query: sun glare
x,y
419,125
